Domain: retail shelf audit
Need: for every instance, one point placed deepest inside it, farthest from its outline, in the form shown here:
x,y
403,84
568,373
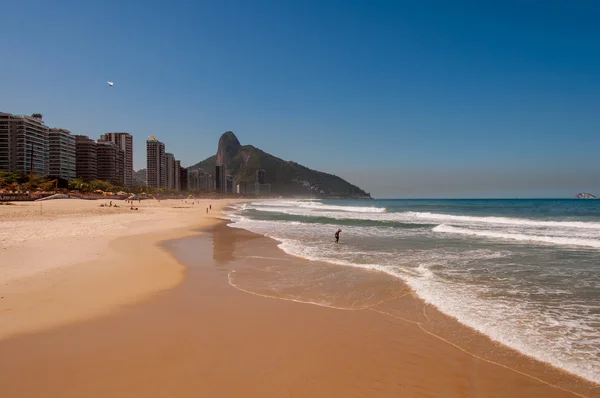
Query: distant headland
x,y
245,168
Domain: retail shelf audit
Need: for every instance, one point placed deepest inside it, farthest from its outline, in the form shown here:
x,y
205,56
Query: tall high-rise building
x,y
183,179
229,183
261,186
62,154
194,180
209,182
156,173
260,176
23,144
170,165
111,163
86,156
220,179
177,175
125,142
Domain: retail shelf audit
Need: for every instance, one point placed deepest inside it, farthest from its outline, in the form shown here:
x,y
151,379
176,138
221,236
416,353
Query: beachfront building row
x,y
199,181
24,144
28,146
224,183
62,154
100,160
123,141
163,170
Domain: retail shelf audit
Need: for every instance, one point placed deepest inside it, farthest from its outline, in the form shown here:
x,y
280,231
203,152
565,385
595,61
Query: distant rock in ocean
x,y
584,195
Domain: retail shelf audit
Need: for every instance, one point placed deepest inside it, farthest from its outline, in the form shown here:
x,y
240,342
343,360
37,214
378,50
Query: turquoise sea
x,y
524,272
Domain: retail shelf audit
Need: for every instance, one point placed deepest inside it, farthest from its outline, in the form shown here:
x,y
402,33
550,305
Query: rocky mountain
x,y
285,177
139,178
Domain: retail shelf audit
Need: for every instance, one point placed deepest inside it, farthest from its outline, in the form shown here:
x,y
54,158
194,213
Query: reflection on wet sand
x,y
264,270
224,247
267,271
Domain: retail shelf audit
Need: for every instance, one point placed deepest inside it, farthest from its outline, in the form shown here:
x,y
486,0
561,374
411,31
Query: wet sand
x,y
205,338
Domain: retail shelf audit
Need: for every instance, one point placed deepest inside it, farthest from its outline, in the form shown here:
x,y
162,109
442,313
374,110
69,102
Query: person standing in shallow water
x,y
337,236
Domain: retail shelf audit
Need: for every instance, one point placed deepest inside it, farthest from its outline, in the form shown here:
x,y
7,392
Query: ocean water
x,y
524,272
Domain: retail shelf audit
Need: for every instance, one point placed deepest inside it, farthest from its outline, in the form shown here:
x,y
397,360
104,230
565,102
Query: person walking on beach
x,y
337,236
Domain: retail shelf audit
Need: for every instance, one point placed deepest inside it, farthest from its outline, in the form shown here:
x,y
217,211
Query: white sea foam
x,y
502,220
515,323
561,332
381,214
317,206
518,237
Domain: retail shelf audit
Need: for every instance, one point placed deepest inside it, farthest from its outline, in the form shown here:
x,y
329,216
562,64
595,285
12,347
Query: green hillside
x,y
285,177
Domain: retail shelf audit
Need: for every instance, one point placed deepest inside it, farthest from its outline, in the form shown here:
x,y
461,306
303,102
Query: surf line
x,y
420,325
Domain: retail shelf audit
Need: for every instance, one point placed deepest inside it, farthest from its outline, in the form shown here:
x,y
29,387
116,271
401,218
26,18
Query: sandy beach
x,y
220,314
64,260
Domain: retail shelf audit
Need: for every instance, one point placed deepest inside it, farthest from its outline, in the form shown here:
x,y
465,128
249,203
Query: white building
x,y
24,144
62,154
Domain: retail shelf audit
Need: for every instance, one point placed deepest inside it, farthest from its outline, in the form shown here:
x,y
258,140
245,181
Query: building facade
x,y
194,180
229,183
241,188
199,181
125,142
156,172
177,175
111,163
24,145
260,176
170,166
183,179
62,154
220,179
260,185
86,157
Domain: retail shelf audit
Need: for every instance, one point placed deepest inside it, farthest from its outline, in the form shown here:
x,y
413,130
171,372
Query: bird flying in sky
x,y
110,83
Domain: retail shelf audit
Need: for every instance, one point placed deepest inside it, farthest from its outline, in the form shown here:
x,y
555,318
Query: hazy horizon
x,y
402,99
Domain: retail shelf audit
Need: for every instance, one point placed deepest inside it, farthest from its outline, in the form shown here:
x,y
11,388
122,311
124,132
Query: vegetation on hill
x,y
285,177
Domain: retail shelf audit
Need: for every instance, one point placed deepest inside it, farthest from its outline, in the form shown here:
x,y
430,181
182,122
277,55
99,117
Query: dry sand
x,y
69,259
205,338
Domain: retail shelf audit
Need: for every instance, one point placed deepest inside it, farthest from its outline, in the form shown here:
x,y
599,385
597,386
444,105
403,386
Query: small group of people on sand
x,y
110,204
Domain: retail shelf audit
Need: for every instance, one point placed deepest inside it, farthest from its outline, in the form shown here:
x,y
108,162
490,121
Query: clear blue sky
x,y
405,99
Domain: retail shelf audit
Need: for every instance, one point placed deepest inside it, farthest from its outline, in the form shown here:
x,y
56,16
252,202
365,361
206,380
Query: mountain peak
x,y
285,177
229,147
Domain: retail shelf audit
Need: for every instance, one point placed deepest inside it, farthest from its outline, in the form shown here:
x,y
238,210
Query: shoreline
x,y
525,334
445,328
201,326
